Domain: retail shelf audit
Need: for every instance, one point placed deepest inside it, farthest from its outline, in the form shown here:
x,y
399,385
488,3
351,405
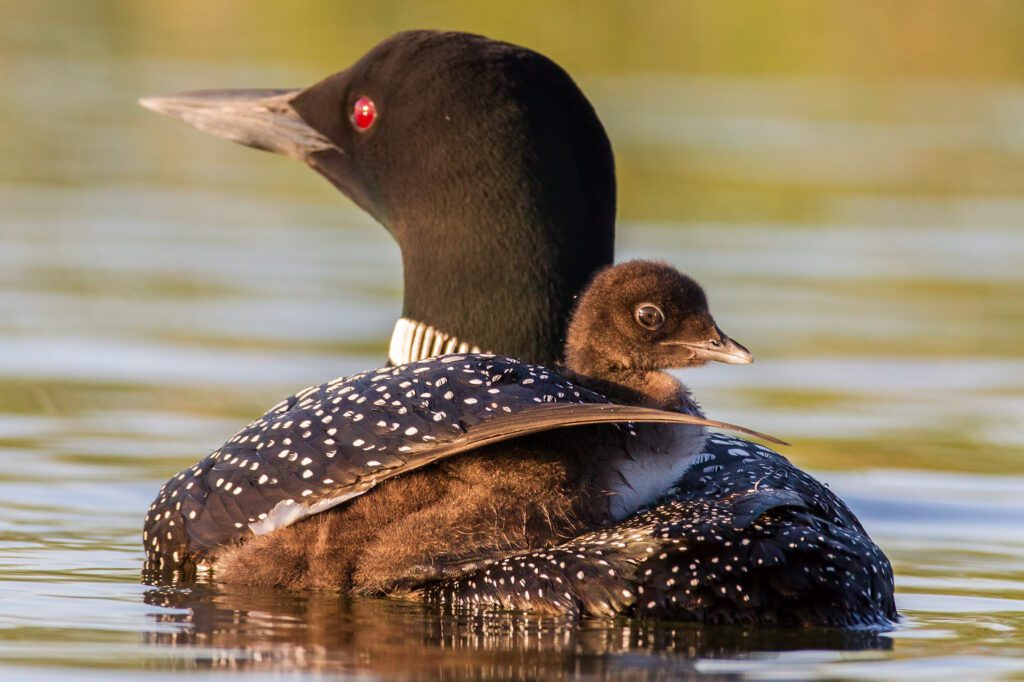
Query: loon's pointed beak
x,y
722,349
263,119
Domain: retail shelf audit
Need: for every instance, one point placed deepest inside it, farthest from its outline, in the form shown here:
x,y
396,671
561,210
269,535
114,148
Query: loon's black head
x,y
483,160
646,315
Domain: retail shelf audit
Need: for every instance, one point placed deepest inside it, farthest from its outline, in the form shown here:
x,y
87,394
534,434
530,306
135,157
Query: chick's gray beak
x,y
263,119
728,351
722,349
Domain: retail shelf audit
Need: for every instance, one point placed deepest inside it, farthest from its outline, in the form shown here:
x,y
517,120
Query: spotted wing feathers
x,y
327,444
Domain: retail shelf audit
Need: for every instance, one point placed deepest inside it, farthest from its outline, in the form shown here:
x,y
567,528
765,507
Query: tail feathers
x,y
698,561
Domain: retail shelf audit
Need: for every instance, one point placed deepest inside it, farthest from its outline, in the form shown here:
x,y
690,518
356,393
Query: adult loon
x,y
331,443
492,172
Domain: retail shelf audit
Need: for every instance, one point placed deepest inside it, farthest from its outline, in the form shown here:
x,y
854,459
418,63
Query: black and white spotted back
x,y
329,443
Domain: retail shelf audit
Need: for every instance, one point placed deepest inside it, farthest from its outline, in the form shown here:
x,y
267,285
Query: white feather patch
x,y
287,512
649,475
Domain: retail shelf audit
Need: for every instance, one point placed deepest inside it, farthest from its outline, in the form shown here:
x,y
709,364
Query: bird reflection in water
x,y
215,626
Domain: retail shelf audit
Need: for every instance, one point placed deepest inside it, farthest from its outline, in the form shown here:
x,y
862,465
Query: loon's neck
x,y
412,341
511,294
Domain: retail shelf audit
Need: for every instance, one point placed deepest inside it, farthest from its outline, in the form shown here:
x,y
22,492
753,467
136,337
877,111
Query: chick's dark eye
x,y
649,316
364,113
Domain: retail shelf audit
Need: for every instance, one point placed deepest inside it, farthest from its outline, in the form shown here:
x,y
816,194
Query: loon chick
x,y
494,175
512,497
668,325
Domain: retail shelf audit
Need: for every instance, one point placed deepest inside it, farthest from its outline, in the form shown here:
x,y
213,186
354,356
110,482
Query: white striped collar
x,y
411,341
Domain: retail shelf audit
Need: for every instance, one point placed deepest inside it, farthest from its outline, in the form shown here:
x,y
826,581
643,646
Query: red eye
x,y
364,113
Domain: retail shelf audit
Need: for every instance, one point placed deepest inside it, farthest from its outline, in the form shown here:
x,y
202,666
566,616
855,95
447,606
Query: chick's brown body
x,y
499,499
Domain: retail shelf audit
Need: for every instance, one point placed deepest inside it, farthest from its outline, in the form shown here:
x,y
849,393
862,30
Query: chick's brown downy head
x,y
646,315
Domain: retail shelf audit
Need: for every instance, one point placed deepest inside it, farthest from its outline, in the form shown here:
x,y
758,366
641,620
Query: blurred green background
x,y
723,111
847,175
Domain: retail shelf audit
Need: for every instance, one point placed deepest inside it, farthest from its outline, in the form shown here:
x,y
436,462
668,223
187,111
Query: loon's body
x,y
326,445
492,172
743,537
